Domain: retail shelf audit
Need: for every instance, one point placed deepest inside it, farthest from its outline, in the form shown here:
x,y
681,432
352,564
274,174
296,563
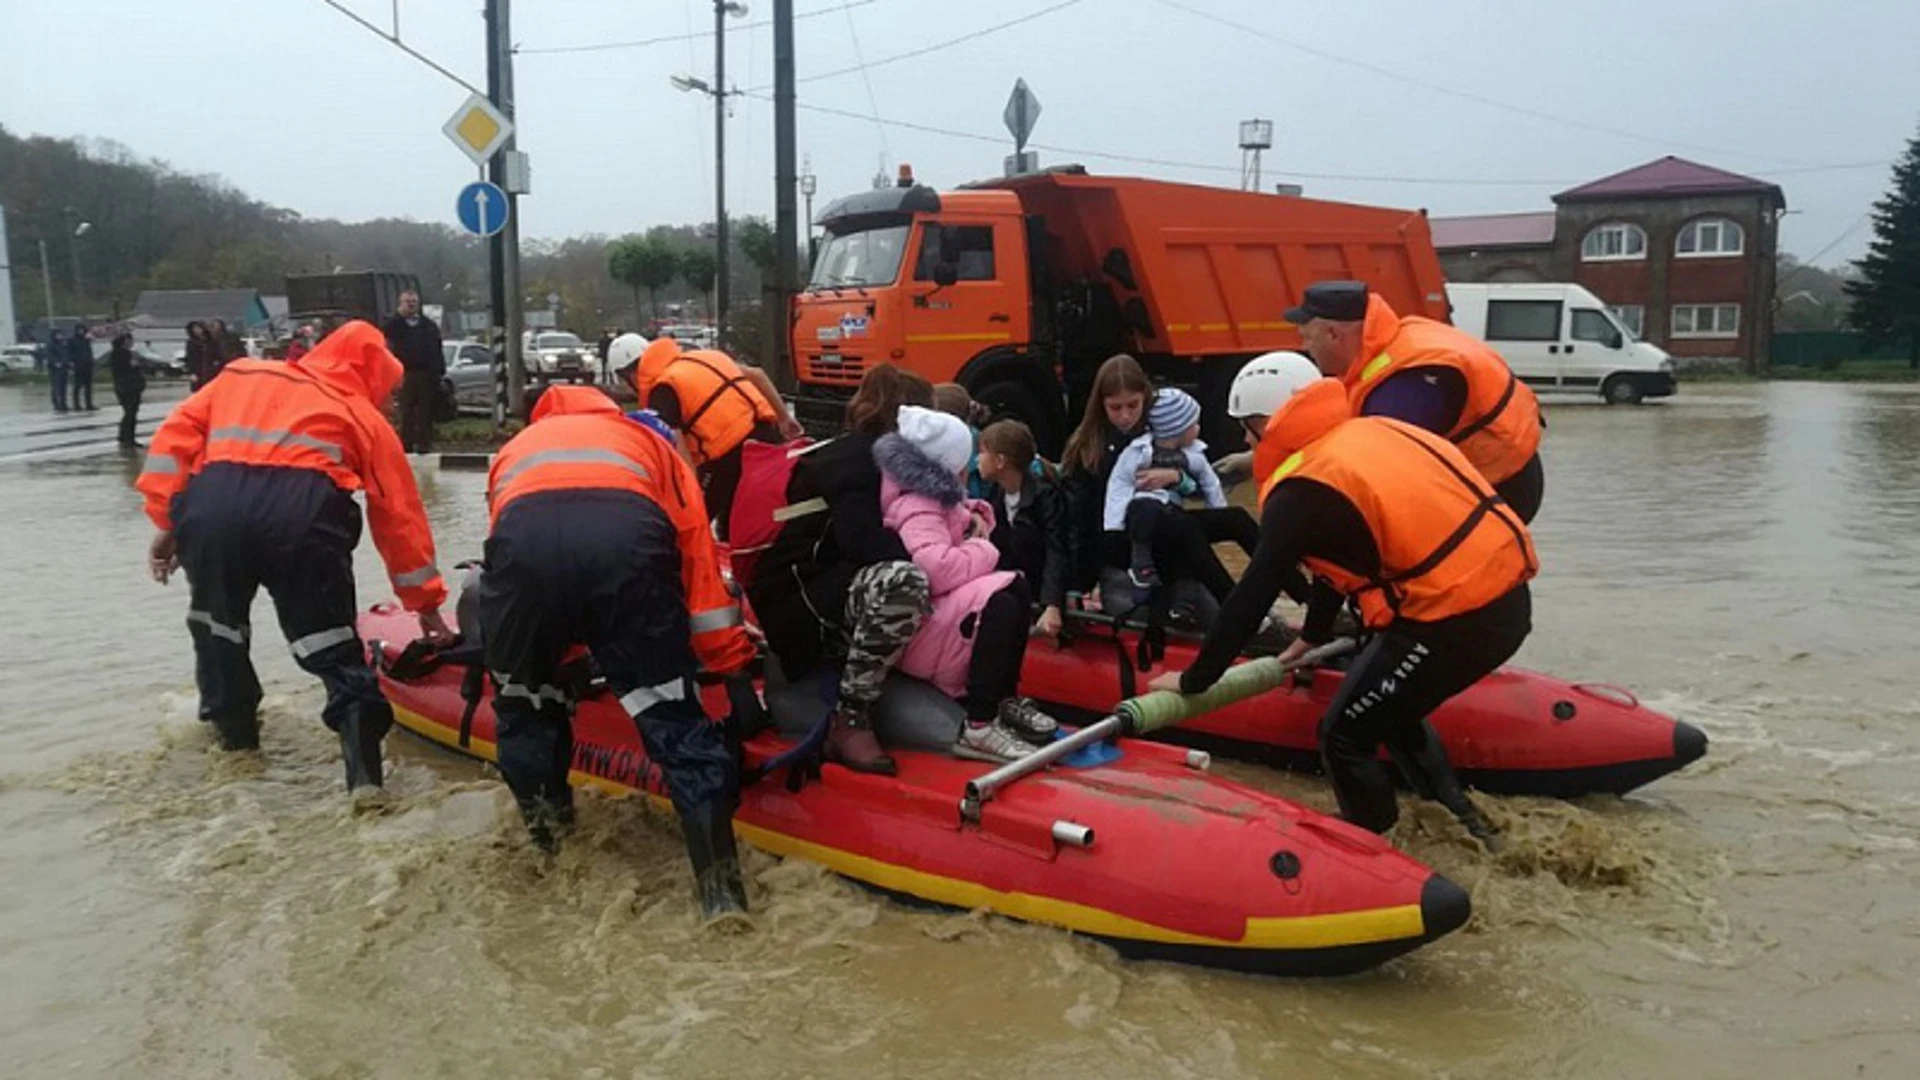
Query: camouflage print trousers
x,y
886,603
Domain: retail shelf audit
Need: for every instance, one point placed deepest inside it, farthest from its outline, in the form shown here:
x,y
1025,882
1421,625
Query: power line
x,y
866,66
873,102
691,35
1464,95
394,40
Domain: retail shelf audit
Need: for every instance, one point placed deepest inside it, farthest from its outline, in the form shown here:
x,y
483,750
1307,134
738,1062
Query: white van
x,y
1562,337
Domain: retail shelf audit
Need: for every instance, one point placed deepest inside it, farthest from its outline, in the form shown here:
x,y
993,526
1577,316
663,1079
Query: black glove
x,y
749,715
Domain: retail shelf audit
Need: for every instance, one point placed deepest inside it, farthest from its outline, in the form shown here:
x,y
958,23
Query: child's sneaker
x,y
1022,717
989,742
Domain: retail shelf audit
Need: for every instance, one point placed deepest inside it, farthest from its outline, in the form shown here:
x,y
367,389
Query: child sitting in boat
x,y
972,644
1172,441
1030,515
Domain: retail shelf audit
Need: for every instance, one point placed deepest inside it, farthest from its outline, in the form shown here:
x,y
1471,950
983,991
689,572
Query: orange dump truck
x,y
1018,288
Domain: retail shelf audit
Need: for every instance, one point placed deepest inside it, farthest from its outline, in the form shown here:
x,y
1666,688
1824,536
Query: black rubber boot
x,y
716,863
235,732
360,749
1427,771
549,822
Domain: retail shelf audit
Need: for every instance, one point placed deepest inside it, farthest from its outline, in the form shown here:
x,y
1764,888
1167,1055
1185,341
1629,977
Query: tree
x,y
698,266
758,243
1807,297
643,262
1886,296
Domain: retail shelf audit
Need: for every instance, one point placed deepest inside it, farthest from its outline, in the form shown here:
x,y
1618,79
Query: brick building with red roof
x,y
1683,252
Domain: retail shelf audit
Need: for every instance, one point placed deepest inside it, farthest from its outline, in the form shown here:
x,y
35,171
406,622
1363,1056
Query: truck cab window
x,y
968,247
866,257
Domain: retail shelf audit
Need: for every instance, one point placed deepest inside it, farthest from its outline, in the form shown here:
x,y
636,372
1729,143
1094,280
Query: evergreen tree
x,y
1886,296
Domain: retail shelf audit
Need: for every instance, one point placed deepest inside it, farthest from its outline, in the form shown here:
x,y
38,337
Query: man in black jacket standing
x,y
415,339
80,368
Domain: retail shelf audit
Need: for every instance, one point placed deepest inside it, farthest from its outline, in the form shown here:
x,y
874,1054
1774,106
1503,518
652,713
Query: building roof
x,y
1493,230
177,307
1669,178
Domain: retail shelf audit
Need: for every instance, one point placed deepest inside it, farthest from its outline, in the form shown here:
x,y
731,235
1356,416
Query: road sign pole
x,y
786,231
504,251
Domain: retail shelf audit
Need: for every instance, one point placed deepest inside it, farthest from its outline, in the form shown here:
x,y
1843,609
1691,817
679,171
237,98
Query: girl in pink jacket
x,y
972,644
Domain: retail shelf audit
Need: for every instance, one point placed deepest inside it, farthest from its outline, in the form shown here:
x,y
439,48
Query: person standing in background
x,y
203,361
129,382
415,340
57,369
80,361
229,345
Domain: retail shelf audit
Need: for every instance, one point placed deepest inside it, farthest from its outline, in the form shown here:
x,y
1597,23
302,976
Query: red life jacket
x,y
760,507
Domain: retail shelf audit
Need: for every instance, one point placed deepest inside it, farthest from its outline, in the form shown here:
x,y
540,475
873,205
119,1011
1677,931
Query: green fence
x,y
1827,348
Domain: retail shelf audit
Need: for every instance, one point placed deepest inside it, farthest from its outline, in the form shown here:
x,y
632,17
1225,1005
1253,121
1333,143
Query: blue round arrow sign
x,y
482,208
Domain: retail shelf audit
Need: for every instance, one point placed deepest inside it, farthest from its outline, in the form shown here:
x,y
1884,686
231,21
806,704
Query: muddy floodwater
x,y
1744,557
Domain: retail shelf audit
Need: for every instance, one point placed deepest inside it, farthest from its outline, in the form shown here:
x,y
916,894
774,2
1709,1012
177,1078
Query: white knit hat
x,y
942,437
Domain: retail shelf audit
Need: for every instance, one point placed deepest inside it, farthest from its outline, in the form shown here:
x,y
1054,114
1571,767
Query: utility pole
x,y
786,233
46,276
720,289
504,248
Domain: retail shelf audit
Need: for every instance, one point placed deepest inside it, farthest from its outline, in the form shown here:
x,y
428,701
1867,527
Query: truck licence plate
x,y
830,358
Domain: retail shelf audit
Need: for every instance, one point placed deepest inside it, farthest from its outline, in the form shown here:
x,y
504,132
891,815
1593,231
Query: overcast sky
x,y
1485,106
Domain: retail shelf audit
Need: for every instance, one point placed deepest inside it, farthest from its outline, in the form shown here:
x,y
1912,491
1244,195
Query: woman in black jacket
x,y
836,594
129,382
203,355
1030,525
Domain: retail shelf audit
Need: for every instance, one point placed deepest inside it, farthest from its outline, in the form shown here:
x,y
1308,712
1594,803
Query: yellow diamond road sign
x,y
478,129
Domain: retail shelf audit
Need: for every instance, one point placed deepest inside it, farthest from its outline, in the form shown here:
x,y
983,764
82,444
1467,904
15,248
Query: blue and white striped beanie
x,y
1173,412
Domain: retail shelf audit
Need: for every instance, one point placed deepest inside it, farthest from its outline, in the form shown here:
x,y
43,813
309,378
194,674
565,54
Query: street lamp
x,y
809,184
81,228
719,92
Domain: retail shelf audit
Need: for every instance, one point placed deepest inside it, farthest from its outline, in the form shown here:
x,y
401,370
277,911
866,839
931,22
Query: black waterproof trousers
x,y
1403,674
241,527
419,396
1524,490
599,568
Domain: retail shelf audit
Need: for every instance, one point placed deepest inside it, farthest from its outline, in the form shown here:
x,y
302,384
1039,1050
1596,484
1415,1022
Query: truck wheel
x,y
1017,401
1620,390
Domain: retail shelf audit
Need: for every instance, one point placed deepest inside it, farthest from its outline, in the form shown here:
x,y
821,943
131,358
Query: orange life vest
x,y
323,413
1448,545
578,440
1499,425
718,405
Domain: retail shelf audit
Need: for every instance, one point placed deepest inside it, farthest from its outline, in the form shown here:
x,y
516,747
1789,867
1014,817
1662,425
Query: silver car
x,y
473,381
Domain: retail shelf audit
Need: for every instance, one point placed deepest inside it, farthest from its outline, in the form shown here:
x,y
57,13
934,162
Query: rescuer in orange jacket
x,y
600,538
1396,519
1432,376
250,483
715,404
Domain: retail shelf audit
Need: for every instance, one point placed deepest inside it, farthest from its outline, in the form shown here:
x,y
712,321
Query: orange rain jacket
x,y
1499,426
322,413
578,439
1448,544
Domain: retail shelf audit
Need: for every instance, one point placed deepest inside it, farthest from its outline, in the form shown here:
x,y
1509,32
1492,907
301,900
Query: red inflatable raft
x,y
1515,732
1148,853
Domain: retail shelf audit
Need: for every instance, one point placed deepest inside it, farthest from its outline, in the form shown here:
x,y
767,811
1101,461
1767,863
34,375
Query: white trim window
x,y
1706,320
1614,241
1631,316
1709,237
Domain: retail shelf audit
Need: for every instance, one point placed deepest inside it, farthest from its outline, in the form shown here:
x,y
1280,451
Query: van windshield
x,y
867,257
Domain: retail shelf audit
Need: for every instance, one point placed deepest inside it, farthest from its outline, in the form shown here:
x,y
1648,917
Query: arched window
x,y
1710,236
1614,240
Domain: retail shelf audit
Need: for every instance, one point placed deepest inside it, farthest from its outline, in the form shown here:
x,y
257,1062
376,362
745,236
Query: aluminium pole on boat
x,y
1149,712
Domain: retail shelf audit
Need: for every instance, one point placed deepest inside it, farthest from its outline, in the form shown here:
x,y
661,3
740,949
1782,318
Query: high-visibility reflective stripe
x,y
262,437
638,701
716,619
161,463
319,641
535,694
235,634
573,456
802,509
413,578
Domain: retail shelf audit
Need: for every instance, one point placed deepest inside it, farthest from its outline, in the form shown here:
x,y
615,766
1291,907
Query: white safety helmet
x,y
1267,382
624,351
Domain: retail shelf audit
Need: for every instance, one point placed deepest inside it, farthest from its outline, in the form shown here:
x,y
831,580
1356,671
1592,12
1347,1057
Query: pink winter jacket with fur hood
x,y
928,508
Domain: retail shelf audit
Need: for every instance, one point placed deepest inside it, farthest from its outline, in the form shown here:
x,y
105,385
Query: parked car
x,y
556,355
473,380
692,335
1562,337
154,364
18,359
